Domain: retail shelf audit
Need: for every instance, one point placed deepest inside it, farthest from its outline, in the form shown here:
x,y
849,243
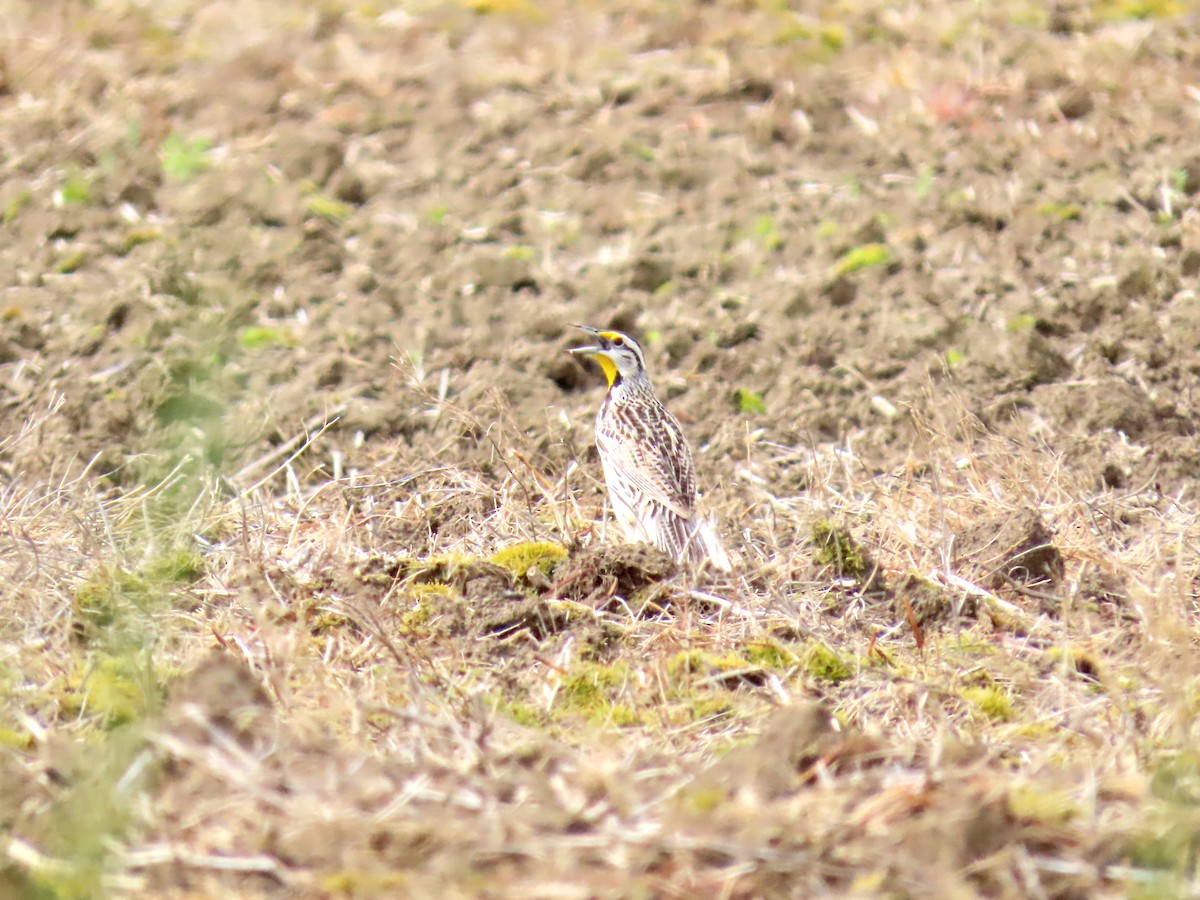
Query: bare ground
x,y
306,583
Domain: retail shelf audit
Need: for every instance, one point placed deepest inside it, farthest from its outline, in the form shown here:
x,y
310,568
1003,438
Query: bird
x,y
647,462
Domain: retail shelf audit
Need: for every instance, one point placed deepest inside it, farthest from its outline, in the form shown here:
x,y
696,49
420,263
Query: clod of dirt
x,y
1039,361
739,334
511,612
929,603
634,572
1103,588
793,740
503,270
1138,282
650,273
479,581
1111,404
568,374
220,693
482,600
841,291
835,549
1011,548
1076,103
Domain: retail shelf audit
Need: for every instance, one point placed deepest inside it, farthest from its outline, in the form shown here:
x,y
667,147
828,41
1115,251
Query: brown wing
x,y
646,447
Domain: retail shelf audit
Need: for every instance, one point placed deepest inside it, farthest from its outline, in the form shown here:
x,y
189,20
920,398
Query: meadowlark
x,y
647,462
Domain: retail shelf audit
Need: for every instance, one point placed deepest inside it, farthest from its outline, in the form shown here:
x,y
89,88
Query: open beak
x,y
599,347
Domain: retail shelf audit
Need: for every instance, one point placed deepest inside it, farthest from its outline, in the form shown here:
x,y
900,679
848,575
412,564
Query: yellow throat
x,y
609,367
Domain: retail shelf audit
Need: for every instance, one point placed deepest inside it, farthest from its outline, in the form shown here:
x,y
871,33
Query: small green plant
x,y
1061,212
71,261
259,337
1031,804
862,257
923,183
184,158
135,237
749,401
325,207
767,234
76,187
1021,322
15,205
520,252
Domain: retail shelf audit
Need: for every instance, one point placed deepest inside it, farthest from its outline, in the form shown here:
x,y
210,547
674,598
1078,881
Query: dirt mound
x,y
635,577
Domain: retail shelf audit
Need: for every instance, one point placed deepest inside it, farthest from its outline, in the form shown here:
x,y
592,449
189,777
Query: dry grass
x,y
314,740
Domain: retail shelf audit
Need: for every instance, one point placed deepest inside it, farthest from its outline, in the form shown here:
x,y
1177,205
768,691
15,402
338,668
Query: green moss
x,y
589,683
516,9
771,655
822,663
115,688
620,714
992,700
521,713
108,595
1063,212
349,883
834,547
520,558
588,690
260,337
324,622
1115,10
87,821
1031,731
15,740
1038,804
703,799
1177,780
180,566
694,662
711,707
111,594
184,158
15,205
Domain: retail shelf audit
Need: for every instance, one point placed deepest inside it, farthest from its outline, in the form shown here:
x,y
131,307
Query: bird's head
x,y
618,354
